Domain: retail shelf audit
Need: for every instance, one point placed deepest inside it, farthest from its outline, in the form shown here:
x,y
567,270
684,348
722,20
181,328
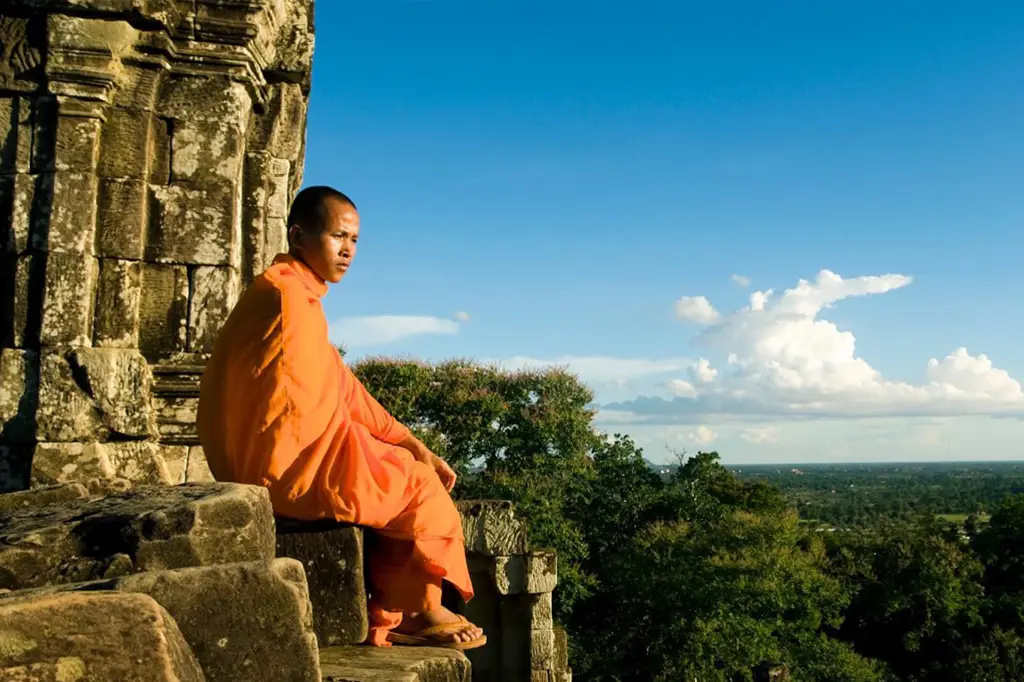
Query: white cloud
x,y
760,434
783,359
683,389
702,435
462,316
702,372
740,281
696,309
359,332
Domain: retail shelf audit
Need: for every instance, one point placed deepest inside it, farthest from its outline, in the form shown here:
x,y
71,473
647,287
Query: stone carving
x,y
148,153
17,55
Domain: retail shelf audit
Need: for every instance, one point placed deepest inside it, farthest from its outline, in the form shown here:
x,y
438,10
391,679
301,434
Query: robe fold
x,y
279,408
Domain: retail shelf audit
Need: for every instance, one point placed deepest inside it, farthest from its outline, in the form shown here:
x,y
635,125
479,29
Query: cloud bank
x,y
782,359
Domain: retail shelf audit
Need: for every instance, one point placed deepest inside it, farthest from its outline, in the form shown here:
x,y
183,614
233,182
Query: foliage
x,y
704,574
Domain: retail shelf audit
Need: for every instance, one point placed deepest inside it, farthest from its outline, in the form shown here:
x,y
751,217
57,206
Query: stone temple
x,y
149,150
148,153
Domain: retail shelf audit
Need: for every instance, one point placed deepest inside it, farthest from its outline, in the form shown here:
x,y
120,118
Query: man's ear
x,y
294,232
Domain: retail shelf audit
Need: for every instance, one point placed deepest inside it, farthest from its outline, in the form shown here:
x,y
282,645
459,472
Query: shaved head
x,y
309,209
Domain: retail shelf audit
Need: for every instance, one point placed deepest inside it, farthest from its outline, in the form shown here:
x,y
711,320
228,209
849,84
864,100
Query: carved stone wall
x,y
148,153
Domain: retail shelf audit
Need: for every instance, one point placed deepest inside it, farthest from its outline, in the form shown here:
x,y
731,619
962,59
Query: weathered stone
x,y
214,294
68,299
78,144
176,458
332,555
72,637
40,497
163,312
250,622
176,418
156,527
427,664
282,130
196,469
23,231
540,676
65,412
19,394
72,227
533,573
118,297
542,649
123,216
280,197
126,144
490,527
119,383
55,463
561,661
197,224
140,462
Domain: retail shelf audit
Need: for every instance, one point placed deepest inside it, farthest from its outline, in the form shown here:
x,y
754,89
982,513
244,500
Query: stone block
x,y
26,290
78,144
68,293
542,649
65,637
119,382
332,555
425,664
16,122
150,527
491,529
176,458
127,144
540,676
123,218
118,297
24,230
40,497
279,200
163,311
533,573
561,660
56,463
72,227
213,296
176,418
194,224
245,622
140,462
19,394
140,84
160,159
281,130
196,468
65,411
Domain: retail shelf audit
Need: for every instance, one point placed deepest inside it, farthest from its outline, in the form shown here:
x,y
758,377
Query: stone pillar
x,y
513,600
148,153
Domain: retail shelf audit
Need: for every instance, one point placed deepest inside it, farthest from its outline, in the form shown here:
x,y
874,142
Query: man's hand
x,y
423,454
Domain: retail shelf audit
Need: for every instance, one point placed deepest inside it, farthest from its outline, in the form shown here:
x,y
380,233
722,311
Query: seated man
x,y
279,408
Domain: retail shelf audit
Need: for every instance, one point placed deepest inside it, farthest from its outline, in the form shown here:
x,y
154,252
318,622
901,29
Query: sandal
x,y
432,636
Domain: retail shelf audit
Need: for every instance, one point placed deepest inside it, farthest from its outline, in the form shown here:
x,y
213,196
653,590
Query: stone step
x,y
393,664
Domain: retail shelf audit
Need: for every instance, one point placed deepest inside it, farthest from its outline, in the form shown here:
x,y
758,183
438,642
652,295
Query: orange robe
x,y
279,408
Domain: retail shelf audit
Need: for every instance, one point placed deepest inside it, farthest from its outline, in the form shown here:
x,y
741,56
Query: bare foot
x,y
412,623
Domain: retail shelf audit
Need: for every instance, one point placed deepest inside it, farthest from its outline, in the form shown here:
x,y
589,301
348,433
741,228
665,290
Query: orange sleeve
x,y
364,409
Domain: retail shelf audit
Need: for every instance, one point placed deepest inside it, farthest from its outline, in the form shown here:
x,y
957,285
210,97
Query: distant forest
x,y
831,495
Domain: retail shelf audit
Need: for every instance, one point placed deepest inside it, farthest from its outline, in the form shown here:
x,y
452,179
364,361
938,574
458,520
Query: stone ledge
x,y
491,528
147,528
393,664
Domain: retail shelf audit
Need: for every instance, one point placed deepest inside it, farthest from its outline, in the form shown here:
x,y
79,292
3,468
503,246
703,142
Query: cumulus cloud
x,y
740,281
696,309
702,435
784,359
360,332
760,434
702,372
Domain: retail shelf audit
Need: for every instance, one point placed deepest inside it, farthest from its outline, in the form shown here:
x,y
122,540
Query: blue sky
x,y
573,176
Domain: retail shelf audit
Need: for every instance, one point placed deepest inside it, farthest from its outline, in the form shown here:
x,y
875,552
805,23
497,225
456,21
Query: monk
x,y
279,408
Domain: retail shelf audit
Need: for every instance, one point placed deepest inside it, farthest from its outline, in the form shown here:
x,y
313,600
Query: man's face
x,y
330,252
